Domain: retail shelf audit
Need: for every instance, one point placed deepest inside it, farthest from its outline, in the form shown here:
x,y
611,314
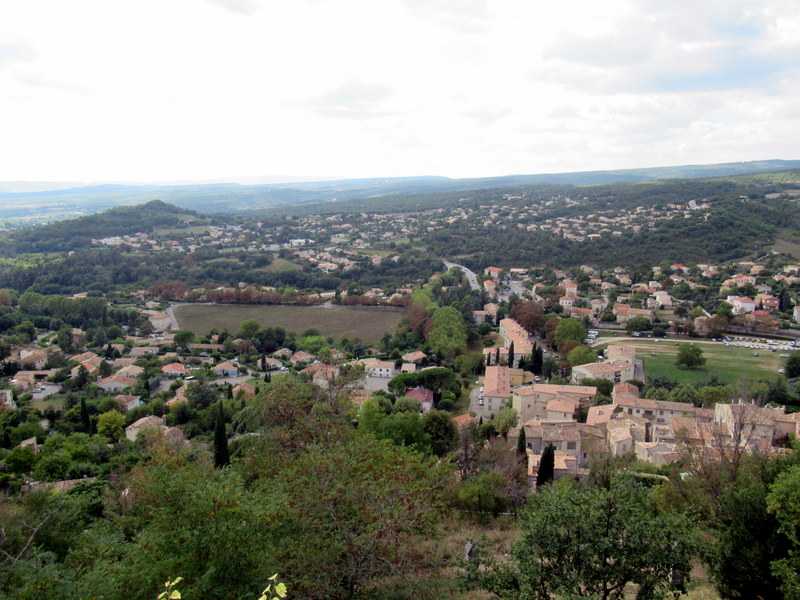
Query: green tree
x,y
581,355
221,454
690,356
637,324
590,542
725,310
793,364
248,329
546,466
522,447
350,508
505,420
448,335
569,329
183,338
111,425
783,502
441,430
684,392
537,359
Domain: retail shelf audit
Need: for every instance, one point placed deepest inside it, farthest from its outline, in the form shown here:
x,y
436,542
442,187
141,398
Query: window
x,y
571,445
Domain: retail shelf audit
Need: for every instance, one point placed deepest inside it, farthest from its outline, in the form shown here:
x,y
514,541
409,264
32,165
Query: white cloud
x,y
153,90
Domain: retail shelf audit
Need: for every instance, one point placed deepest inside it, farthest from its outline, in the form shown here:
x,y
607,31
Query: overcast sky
x,y
165,90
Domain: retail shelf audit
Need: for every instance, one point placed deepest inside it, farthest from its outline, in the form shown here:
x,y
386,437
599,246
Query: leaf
x,y
274,577
280,589
177,580
176,595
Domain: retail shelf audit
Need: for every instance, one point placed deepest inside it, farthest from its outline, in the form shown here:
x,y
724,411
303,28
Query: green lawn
x,y
729,364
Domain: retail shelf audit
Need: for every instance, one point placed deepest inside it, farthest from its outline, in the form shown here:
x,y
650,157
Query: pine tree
x,y
221,455
521,442
546,466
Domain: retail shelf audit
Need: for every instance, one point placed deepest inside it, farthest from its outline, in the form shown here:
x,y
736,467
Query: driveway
x,y
48,389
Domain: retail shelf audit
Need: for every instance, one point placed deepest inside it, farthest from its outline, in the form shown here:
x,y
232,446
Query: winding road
x,y
471,277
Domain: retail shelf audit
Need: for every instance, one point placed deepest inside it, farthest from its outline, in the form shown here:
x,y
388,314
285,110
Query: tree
x,y
248,329
783,502
351,506
86,424
546,466
505,420
690,356
448,334
637,324
581,355
111,425
441,430
522,447
725,310
590,542
537,359
183,338
221,455
569,329
793,364
201,395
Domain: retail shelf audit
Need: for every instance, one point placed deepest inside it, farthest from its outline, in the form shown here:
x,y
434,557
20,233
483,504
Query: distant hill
x,y
50,205
73,234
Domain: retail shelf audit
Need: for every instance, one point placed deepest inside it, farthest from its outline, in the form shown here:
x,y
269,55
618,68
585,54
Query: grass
x,y
368,325
730,364
281,265
195,230
786,243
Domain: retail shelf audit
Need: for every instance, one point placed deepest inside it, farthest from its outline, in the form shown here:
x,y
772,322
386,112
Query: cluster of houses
x,y
655,431
591,299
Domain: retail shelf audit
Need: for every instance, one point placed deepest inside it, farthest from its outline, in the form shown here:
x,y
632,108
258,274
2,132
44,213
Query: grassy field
x,y
281,265
196,230
728,363
366,324
786,242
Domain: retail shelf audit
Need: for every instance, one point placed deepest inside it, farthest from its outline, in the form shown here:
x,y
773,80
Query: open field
x,y
281,265
368,325
786,243
728,363
195,230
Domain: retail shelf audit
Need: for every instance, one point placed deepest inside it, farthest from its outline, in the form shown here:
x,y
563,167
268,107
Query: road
x,y
471,277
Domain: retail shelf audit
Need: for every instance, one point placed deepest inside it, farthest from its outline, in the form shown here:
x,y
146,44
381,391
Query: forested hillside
x,y
72,234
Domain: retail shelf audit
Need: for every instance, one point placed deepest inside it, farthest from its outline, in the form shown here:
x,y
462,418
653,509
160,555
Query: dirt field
x,y
368,325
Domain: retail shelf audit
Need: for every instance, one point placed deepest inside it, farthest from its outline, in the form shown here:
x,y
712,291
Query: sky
x,y
179,90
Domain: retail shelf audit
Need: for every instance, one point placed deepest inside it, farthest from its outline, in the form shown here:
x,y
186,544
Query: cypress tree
x,y
263,362
546,466
87,426
511,355
537,360
230,391
521,442
497,356
221,455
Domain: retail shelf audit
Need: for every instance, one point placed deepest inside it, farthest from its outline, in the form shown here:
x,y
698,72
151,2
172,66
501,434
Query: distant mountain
x,y
39,205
